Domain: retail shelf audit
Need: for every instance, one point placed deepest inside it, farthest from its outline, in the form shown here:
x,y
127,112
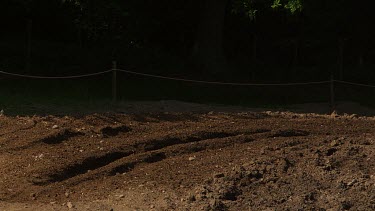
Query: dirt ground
x,y
187,159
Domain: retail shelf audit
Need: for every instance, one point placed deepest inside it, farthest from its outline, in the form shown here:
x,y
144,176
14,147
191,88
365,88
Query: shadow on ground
x,y
165,110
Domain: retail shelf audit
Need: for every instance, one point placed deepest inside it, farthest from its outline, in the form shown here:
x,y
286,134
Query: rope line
x,y
181,79
55,77
354,84
220,83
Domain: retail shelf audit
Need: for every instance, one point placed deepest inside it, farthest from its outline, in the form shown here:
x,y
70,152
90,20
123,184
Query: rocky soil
x,y
211,160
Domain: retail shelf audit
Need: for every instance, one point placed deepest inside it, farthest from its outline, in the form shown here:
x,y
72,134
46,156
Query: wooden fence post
x,y
114,81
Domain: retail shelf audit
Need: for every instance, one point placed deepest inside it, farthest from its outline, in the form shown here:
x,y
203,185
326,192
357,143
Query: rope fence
x,y
114,71
162,77
182,79
355,84
55,77
221,83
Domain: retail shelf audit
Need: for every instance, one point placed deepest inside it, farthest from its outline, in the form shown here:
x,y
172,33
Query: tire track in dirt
x,y
6,141
63,135
289,133
150,151
19,129
110,131
52,138
178,150
59,137
129,163
92,163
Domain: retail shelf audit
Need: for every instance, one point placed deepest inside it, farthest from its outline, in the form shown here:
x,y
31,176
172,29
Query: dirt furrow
x,y
145,151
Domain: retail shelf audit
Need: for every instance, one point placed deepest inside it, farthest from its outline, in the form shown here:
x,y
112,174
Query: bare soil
x,y
192,160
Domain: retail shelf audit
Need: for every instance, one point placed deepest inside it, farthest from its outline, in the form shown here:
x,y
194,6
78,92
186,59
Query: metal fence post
x,y
332,86
114,81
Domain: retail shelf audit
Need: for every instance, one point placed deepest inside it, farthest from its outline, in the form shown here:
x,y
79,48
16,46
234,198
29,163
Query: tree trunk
x,y
29,30
254,48
79,35
295,58
296,45
208,50
361,60
254,55
341,59
362,51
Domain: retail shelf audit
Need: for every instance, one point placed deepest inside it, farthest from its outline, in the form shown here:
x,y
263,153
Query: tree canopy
x,y
209,36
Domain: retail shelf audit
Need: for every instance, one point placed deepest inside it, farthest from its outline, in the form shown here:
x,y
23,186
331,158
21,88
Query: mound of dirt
x,y
188,161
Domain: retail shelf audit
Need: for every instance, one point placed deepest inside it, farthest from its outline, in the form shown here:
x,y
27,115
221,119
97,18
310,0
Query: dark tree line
x,y
258,39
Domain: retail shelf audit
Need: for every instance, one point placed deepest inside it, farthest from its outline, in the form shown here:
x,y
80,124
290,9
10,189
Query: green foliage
x,y
247,7
276,4
290,5
294,6
250,8
97,18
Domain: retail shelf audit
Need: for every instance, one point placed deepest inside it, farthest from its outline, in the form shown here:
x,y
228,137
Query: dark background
x,y
203,40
